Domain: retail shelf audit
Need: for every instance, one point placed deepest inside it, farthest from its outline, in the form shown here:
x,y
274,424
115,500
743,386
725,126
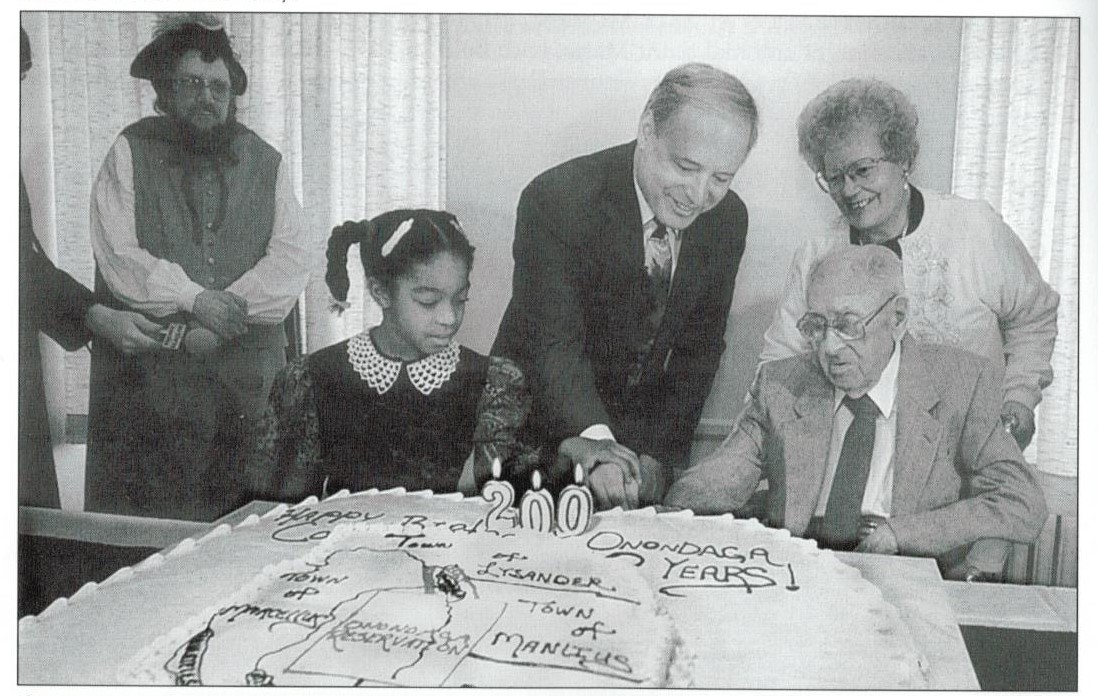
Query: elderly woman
x,y
970,281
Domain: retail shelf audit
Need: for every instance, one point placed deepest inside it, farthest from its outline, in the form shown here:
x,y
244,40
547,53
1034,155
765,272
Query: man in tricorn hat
x,y
194,223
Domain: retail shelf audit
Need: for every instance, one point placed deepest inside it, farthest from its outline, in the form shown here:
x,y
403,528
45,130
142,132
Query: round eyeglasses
x,y
191,87
849,327
861,172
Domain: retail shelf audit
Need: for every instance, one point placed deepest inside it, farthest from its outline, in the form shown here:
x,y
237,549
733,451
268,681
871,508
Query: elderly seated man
x,y
873,442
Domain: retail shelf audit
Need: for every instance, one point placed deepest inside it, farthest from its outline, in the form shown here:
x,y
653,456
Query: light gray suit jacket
x,y
958,476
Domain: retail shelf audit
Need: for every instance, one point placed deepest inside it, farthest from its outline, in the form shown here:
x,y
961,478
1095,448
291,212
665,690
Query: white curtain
x,y
1018,148
353,102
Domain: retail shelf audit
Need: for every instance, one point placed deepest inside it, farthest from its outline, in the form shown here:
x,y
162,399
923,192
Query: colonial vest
x,y
211,216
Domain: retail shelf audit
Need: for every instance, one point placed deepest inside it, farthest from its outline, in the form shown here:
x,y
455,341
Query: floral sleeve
x,y
501,413
286,463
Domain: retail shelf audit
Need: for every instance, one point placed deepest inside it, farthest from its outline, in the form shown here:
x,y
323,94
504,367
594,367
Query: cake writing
x,y
409,541
304,524
615,542
747,578
551,607
389,637
424,522
585,657
493,569
679,566
313,577
298,617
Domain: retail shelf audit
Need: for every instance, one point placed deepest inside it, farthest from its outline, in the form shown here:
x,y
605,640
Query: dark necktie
x,y
658,262
839,529
659,248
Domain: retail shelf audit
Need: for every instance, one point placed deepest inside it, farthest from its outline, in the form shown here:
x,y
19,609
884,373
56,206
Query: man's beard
x,y
212,142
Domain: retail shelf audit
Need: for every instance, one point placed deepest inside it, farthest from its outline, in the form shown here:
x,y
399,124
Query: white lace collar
x,y
381,373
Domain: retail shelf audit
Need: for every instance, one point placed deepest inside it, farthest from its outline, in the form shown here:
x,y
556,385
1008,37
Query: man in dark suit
x,y
874,442
53,303
625,263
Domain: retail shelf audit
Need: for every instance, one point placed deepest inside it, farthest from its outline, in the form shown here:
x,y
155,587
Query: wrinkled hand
x,y
590,453
612,470
612,487
881,540
201,341
651,480
1023,432
129,332
221,312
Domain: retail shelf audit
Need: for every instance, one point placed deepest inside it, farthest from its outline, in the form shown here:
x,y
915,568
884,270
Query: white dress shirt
x,y
648,218
159,287
877,499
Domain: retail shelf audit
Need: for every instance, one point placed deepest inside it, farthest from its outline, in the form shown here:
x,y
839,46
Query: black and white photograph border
x,y
517,94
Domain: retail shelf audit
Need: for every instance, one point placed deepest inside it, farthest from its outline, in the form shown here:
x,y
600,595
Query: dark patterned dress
x,y
349,417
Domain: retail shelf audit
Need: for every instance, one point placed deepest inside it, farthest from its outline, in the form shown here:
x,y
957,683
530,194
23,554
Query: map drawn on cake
x,y
679,567
393,611
388,589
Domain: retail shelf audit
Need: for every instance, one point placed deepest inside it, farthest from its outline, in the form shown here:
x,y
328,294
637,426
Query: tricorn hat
x,y
176,33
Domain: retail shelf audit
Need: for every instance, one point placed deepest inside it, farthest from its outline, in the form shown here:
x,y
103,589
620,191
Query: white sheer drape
x,y
1018,148
353,102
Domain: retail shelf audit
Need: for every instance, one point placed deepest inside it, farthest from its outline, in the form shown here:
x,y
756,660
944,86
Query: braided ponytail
x,y
339,243
390,245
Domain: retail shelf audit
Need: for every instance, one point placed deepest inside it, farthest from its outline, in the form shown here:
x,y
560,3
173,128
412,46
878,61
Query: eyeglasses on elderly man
x,y
848,326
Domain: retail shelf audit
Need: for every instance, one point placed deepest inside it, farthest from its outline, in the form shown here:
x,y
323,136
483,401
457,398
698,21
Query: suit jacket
x,y
579,261
52,302
958,475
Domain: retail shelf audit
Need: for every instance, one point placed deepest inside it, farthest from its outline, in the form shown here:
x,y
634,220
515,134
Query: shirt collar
x,y
883,393
647,214
381,372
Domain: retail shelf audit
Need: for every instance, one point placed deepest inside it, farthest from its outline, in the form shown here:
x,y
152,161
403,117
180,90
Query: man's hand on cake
x,y
880,539
590,453
653,480
612,487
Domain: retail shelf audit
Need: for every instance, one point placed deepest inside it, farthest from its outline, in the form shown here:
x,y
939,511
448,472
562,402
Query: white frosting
x,y
740,625
425,606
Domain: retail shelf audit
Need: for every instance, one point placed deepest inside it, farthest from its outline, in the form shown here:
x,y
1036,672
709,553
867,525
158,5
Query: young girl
x,y
401,404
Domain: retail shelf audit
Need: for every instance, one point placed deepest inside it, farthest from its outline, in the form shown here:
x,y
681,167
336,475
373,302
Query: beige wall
x,y
525,93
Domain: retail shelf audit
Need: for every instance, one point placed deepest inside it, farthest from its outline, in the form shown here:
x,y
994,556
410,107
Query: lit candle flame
x,y
497,468
535,480
579,474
